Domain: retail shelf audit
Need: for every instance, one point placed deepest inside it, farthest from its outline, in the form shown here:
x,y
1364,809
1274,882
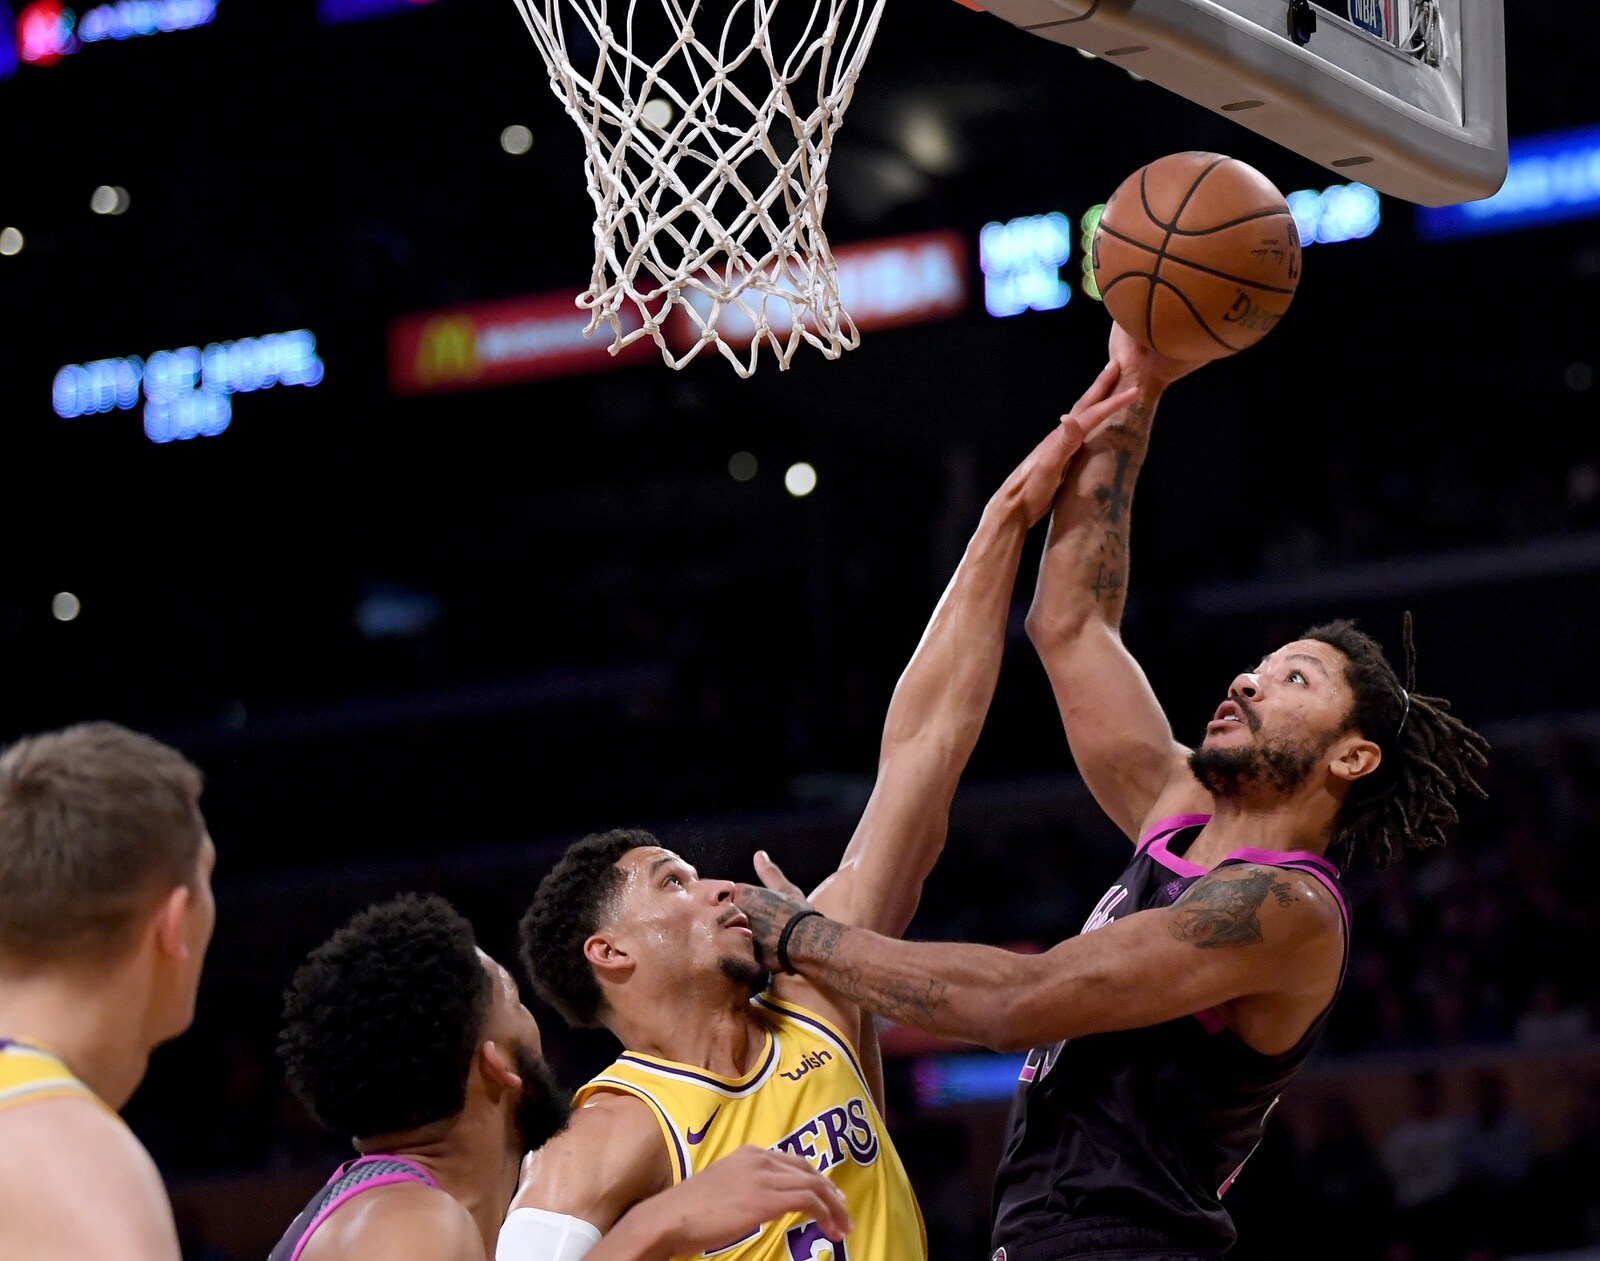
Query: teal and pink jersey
x,y
353,1178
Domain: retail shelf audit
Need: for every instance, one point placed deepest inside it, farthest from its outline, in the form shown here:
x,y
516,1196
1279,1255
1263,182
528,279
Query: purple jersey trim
x,y
730,1089
419,1174
822,1030
685,1166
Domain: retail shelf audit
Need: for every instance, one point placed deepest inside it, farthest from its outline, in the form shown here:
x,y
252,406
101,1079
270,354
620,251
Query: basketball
x,y
1196,255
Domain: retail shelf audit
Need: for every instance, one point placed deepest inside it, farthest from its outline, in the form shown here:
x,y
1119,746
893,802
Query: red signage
x,y
882,284
498,343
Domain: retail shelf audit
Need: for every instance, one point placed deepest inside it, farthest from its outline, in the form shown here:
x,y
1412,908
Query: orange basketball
x,y
1196,255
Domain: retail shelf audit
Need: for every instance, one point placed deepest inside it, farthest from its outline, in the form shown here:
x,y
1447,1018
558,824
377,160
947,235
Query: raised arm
x,y
1121,740
1244,932
940,701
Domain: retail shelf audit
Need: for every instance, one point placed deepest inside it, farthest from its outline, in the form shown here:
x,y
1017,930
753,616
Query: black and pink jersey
x,y
1134,1136
364,1173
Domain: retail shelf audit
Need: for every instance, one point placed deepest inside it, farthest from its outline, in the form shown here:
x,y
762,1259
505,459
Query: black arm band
x,y
783,939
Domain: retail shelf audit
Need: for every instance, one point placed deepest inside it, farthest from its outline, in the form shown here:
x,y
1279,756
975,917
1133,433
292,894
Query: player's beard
x,y
545,1105
746,973
1274,765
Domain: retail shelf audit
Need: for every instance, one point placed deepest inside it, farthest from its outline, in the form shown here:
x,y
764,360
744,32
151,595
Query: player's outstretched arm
x,y
940,702
75,1183
1245,930
1121,740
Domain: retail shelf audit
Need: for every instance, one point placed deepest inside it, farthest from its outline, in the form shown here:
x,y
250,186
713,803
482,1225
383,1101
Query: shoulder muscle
x,y
610,1156
407,1219
76,1177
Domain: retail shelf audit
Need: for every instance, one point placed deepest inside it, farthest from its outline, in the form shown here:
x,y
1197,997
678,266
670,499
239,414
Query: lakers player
x,y
105,916
623,932
403,1035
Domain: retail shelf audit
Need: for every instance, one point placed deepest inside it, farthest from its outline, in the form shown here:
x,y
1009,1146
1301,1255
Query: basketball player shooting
x,y
105,917
1163,1034
624,933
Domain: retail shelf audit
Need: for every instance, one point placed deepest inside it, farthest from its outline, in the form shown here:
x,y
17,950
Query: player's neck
x,y
95,1026
722,1038
1280,825
472,1157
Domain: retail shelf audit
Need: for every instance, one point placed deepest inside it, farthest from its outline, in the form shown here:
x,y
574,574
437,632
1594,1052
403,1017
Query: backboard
x,y
1407,96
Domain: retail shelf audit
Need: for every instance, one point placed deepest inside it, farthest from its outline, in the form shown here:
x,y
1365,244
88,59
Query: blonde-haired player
x,y
623,932
105,916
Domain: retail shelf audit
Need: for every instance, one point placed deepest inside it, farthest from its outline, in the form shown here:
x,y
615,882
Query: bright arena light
x,y
516,140
800,480
657,113
10,241
742,466
109,199
64,606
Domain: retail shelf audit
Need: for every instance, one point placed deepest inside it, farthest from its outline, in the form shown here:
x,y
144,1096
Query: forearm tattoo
x,y
1221,910
819,950
1108,565
816,946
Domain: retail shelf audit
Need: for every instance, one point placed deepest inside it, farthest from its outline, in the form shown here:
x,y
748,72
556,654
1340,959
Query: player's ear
x,y
606,956
170,920
497,1066
1354,758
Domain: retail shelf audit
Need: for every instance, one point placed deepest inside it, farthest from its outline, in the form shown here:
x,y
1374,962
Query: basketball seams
x,y
1232,223
1161,254
1198,318
1228,275
1144,195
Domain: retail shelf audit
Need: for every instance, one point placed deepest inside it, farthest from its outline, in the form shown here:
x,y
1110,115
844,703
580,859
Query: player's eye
x,y
1297,676
677,880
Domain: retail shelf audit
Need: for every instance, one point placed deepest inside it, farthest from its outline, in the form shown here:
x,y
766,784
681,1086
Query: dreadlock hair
x,y
567,908
1429,755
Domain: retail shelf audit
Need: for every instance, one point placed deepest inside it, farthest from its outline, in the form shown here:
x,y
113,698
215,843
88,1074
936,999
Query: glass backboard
x,y
1407,96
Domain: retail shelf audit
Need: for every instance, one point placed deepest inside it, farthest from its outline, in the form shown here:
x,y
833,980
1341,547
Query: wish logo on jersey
x,y
830,1136
814,1059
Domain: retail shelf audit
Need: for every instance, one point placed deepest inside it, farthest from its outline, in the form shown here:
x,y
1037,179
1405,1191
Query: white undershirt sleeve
x,y
532,1234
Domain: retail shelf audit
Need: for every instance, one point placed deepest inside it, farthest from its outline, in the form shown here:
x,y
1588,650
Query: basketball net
x,y
707,161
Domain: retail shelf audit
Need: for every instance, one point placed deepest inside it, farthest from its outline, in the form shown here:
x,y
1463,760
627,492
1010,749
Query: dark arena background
x,y
427,600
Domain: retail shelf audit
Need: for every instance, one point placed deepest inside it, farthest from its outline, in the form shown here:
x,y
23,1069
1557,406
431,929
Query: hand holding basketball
x,y
1196,256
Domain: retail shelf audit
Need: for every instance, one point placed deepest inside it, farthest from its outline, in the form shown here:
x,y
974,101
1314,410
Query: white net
x,y
708,125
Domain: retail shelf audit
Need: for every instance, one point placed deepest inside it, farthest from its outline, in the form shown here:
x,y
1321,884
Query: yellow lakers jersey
x,y
805,1094
28,1072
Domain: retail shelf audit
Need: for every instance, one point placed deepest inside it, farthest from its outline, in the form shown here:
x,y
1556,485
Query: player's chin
x,y
744,970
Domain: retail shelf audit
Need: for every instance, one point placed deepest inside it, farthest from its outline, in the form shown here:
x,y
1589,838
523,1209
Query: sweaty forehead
x,y
642,862
1326,655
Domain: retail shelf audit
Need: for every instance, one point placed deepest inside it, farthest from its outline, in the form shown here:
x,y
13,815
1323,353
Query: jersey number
x,y
808,1243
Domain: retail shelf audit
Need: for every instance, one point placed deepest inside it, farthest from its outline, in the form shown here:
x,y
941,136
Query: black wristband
x,y
783,939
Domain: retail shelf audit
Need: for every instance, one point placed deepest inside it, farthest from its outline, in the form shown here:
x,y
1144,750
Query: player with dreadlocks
x,y
1163,1034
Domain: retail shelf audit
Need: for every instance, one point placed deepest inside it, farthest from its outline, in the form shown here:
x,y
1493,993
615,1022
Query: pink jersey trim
x,y
1166,827
1210,1021
382,1180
